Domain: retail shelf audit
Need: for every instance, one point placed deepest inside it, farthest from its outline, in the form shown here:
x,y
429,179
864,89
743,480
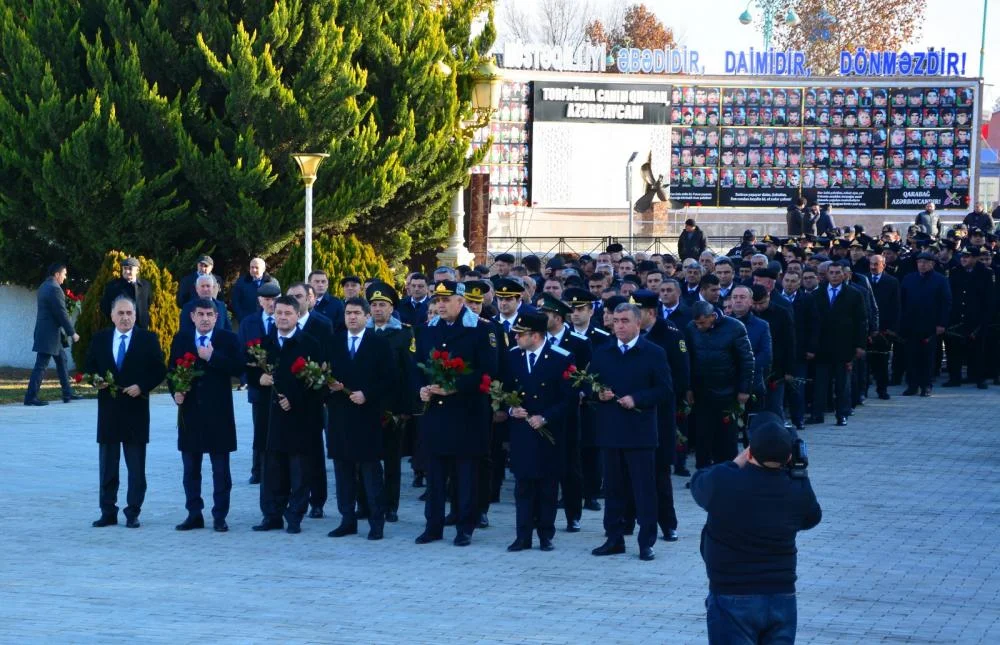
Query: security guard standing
x,y
558,334
455,423
972,287
537,371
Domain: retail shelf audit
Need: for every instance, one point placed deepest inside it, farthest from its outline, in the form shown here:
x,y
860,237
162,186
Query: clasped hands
x,y
427,391
626,402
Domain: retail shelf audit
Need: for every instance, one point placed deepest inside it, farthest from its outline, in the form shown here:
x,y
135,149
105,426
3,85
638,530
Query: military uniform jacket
x,y
122,418
596,335
544,391
355,431
641,373
972,299
403,375
459,424
205,421
296,431
671,340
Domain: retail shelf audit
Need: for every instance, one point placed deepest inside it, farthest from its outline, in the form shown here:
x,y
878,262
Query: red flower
x,y
571,369
188,356
458,363
773,386
726,420
180,362
484,384
253,343
78,377
435,355
298,365
69,294
566,375
444,356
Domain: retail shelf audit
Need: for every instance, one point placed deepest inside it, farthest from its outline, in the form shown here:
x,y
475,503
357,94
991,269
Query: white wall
x,y
17,327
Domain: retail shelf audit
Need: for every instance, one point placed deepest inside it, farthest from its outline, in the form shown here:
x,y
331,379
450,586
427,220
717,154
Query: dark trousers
x,y
837,373
920,360
498,466
795,394
346,474
715,440
639,466
859,381
392,454
109,460
488,468
774,398
572,480
316,474
38,373
878,364
666,516
966,351
535,507
590,468
260,410
898,361
766,619
284,491
465,479
222,483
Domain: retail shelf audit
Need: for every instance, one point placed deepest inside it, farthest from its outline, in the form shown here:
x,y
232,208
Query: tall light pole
x,y
628,197
770,9
982,42
308,165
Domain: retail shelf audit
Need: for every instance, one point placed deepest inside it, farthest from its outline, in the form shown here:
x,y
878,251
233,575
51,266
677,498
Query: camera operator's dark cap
x,y
269,290
770,442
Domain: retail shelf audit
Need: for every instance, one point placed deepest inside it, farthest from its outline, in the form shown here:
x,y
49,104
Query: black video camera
x,y
800,460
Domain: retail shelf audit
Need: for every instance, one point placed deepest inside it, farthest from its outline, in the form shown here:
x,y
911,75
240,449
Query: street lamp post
x,y
308,165
485,101
770,9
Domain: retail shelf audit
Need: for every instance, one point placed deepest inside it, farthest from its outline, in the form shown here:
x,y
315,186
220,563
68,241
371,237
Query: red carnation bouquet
x,y
501,399
443,370
98,380
258,356
184,373
75,302
313,374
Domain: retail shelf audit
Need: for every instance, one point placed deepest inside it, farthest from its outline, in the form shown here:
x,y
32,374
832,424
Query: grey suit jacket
x,y
51,317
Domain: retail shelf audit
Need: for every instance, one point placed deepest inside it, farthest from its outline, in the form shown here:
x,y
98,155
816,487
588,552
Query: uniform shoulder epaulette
x,y
559,350
405,324
486,320
578,335
601,331
514,348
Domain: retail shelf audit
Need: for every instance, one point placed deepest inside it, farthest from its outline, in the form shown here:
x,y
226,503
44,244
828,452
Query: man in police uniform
x,y
401,403
972,286
582,302
558,334
508,299
456,422
538,372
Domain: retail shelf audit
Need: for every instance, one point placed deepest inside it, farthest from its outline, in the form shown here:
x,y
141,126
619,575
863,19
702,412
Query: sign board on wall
x,y
601,103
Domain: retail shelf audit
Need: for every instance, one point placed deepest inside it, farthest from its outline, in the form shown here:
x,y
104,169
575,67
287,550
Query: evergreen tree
x,y
165,126
340,256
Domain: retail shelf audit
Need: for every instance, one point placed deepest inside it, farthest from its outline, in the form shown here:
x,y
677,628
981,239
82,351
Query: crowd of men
x,y
616,368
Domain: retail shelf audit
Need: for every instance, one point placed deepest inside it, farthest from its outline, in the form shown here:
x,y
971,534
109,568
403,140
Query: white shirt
x,y
830,290
116,339
628,345
197,337
357,344
303,320
556,339
538,354
509,321
282,339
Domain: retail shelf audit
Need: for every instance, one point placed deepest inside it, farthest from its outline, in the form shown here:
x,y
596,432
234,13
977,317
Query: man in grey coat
x,y
51,321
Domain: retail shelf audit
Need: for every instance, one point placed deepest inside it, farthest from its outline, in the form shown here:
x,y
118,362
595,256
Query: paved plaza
x,y
907,550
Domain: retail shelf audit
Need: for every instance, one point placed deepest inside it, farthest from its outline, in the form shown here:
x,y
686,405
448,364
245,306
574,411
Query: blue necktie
x,y
270,325
624,349
120,358
531,362
281,342
202,340
506,326
354,345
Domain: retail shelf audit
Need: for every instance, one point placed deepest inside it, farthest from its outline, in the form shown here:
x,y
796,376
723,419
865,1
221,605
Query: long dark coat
x,y
355,431
122,418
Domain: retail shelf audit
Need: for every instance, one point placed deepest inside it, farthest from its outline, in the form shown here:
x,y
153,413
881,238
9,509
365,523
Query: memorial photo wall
x,y
852,147
508,161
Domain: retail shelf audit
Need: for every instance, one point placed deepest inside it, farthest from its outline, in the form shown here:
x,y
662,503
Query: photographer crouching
x,y
756,505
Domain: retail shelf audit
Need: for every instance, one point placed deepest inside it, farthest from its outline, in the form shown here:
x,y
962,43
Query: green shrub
x,y
339,256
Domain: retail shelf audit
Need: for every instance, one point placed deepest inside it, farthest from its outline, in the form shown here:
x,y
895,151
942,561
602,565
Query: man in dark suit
x,y
412,309
187,289
537,371
671,306
205,419
972,287
361,362
558,334
402,402
455,424
806,319
244,296
132,287
326,303
843,337
133,356
295,417
886,289
782,329
207,287
51,323
321,329
253,328
925,307
636,380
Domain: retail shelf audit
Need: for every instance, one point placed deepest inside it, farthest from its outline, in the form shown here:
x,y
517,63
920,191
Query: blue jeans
x,y
755,620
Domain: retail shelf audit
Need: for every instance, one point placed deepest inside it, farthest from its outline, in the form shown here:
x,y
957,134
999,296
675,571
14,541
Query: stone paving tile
x,y
907,551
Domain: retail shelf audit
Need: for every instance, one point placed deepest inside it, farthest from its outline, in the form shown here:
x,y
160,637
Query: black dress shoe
x,y
681,471
268,525
646,554
884,396
375,534
36,402
484,521
344,529
518,545
192,522
546,545
610,548
427,538
910,391
573,526
592,505
462,540
670,536
811,421
71,397
391,516
132,522
842,421
418,481
220,526
105,520
983,385
316,513
450,519
293,529
254,480
925,392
